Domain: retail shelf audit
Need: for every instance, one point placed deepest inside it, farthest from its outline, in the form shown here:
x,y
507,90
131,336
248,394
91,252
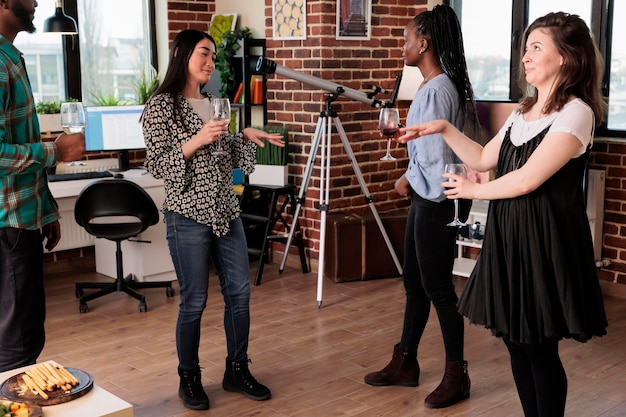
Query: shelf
x,y
470,242
463,267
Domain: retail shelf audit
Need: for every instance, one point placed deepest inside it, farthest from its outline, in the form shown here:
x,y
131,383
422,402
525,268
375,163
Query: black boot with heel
x,y
402,370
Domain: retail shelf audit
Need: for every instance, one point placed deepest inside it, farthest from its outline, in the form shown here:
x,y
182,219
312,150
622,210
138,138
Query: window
x,y
492,51
103,62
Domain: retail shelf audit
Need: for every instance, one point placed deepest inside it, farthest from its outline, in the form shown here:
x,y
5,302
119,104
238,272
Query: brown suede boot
x,y
402,370
454,387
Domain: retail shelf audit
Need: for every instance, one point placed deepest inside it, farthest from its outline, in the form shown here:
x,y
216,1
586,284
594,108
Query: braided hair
x,y
442,26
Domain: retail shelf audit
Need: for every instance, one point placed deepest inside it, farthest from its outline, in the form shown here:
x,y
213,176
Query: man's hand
x,y
52,233
70,147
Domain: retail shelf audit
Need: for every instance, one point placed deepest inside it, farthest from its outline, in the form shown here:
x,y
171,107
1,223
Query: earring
x,y
422,51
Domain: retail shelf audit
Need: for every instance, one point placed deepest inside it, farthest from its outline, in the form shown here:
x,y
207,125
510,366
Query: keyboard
x,y
71,176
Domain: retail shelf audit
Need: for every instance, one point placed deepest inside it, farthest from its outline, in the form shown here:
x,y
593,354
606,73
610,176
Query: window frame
x,y
71,49
601,28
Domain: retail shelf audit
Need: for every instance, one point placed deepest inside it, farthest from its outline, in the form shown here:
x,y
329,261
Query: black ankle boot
x,y
191,390
237,378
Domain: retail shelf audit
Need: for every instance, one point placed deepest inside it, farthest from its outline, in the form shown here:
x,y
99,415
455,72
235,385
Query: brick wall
x,y
189,14
611,156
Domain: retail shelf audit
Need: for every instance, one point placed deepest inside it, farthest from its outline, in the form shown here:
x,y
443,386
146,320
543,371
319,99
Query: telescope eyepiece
x,y
265,65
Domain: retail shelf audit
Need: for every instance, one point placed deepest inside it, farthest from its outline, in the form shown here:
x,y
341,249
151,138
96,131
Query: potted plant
x,y
271,161
226,51
145,85
49,114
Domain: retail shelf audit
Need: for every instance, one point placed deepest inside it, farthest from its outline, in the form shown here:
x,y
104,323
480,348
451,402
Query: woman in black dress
x,y
535,281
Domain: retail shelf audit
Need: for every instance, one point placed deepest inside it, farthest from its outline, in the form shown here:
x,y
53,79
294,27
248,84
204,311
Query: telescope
x,y
268,66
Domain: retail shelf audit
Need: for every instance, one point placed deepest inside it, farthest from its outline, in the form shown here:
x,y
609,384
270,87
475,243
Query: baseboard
x,y
613,289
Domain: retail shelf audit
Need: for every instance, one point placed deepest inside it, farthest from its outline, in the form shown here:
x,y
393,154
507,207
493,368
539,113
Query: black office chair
x,y
116,209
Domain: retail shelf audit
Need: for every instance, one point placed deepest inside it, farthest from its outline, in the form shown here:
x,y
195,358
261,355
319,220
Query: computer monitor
x,y
114,128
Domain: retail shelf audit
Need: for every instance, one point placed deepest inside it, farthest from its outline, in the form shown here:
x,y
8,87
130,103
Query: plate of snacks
x,y
13,409
47,383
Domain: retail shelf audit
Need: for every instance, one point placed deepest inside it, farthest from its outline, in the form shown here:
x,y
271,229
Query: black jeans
x,y
22,299
429,246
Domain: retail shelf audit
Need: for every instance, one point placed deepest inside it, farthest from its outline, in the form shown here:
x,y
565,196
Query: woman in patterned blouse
x,y
202,211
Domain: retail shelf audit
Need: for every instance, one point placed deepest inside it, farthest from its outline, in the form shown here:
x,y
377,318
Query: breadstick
x,y
54,383
47,384
32,386
60,379
67,374
37,378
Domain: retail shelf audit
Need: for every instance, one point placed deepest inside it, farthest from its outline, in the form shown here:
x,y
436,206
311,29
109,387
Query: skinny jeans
x,y
193,247
22,298
429,247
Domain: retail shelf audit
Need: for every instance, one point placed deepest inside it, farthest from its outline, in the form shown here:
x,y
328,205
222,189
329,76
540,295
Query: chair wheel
x,y
83,308
143,307
169,291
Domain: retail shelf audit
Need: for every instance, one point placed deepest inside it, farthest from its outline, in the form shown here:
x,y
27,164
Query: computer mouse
x,y
118,175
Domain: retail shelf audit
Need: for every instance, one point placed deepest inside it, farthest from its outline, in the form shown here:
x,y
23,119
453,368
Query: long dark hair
x,y
442,26
582,69
175,78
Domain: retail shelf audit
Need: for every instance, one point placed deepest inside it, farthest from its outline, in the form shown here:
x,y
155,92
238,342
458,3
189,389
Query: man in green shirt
x,y
28,212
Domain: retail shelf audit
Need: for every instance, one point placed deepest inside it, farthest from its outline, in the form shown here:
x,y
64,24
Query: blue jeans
x,y
193,247
22,298
429,246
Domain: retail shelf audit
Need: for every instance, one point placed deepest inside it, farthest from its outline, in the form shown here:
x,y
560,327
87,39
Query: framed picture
x,y
220,24
289,19
354,19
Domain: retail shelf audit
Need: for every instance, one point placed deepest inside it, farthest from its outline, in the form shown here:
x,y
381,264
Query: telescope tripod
x,y
322,138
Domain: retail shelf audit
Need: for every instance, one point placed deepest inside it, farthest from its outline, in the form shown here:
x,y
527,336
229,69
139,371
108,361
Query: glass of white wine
x,y
458,169
220,110
72,117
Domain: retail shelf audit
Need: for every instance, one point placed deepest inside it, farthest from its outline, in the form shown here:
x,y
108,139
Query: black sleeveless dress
x,y
535,277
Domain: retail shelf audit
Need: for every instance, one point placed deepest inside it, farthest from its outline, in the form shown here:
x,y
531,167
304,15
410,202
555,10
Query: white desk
x,y
96,403
147,261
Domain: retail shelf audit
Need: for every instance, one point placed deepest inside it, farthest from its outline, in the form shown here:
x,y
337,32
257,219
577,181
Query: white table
x,y
96,403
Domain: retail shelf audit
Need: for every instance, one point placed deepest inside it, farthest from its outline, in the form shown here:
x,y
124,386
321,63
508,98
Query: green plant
x,y
145,85
51,106
226,51
102,99
272,154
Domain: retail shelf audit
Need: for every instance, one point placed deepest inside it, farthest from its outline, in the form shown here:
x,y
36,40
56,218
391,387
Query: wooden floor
x,y
313,359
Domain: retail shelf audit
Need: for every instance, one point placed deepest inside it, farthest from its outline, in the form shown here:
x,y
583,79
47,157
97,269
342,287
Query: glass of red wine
x,y
388,124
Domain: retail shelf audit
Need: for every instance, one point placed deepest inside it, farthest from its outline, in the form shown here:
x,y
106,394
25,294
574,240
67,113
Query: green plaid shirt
x,y
25,199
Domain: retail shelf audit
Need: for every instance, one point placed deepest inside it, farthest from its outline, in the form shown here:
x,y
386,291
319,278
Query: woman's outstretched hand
x,y
413,132
257,136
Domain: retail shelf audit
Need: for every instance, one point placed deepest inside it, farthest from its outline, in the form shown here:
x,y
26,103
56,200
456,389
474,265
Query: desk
x,y
147,261
96,403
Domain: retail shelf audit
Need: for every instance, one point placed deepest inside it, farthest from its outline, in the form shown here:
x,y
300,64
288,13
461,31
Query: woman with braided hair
x,y
433,43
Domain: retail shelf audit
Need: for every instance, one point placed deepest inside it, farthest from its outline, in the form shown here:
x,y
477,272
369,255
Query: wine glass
x,y
388,124
72,117
220,110
458,169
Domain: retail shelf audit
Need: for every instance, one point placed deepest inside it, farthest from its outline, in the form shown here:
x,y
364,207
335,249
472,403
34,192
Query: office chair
x,y
116,209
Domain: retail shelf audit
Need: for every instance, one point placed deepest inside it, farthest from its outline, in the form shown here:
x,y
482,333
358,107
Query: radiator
x,y
595,208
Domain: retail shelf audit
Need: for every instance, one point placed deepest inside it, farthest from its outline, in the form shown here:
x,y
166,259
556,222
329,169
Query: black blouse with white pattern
x,y
201,187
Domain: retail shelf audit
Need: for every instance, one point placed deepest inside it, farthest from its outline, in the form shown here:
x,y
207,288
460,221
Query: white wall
x,y
250,13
